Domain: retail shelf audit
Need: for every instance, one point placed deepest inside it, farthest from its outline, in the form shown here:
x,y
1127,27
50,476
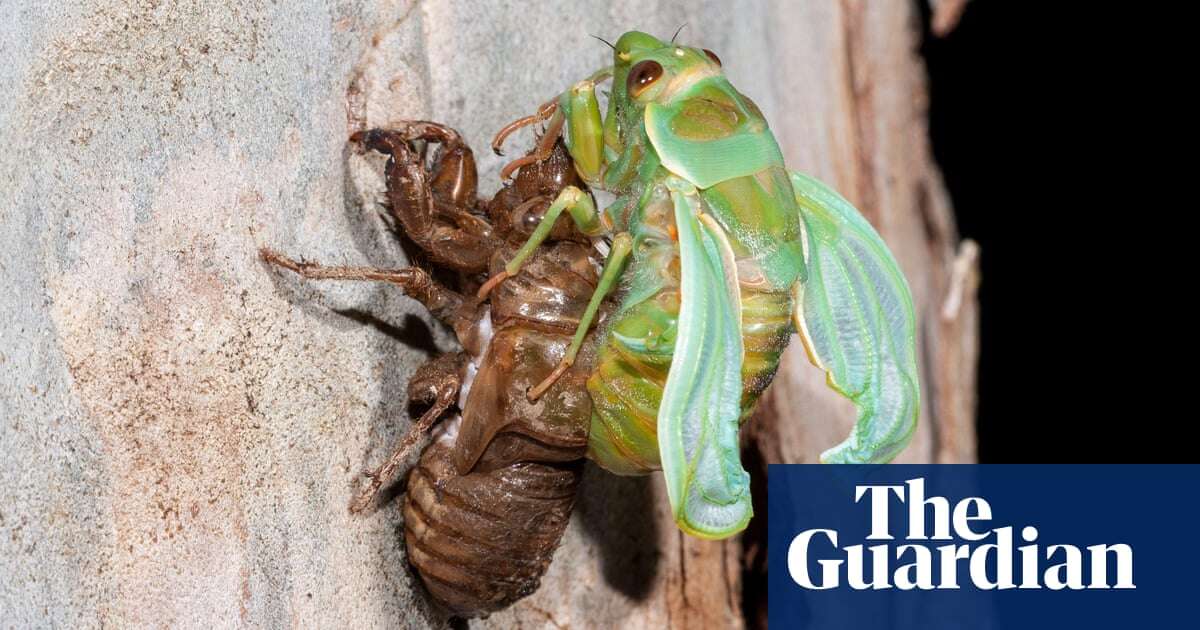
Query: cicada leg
x,y
585,130
545,144
434,203
436,382
618,255
416,282
583,211
540,152
544,112
578,111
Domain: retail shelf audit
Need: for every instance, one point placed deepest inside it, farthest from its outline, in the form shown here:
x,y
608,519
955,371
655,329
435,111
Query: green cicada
x,y
718,254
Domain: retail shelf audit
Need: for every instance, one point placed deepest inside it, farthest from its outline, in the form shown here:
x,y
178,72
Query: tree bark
x,y
182,430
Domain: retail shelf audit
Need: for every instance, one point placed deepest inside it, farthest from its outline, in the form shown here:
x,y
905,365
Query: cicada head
x,y
675,101
648,70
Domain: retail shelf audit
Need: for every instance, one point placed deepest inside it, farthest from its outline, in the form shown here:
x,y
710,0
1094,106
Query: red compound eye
x,y
712,55
642,76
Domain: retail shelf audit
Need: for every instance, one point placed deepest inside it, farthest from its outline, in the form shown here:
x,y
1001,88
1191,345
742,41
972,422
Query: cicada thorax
x,y
637,344
491,497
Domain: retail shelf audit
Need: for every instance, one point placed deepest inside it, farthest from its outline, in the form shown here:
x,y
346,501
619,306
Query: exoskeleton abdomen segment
x,y
483,540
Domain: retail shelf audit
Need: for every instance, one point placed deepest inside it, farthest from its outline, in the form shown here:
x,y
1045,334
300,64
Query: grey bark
x,y
182,429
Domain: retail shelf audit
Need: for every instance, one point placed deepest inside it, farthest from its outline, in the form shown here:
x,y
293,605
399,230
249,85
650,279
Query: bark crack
x,y
859,81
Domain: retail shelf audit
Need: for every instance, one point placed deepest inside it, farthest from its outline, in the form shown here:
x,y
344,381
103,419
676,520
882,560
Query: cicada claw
x,y
544,112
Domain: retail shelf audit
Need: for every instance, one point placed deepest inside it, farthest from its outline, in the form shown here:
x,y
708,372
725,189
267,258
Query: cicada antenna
x,y
677,32
606,42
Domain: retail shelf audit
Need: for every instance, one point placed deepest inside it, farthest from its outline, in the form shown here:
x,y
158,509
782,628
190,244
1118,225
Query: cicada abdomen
x,y
481,541
491,496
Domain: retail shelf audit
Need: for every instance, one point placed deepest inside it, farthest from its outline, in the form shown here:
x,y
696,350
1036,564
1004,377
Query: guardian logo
x,y
944,545
980,547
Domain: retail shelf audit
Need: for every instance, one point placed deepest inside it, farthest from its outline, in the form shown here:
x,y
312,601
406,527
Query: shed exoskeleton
x,y
491,495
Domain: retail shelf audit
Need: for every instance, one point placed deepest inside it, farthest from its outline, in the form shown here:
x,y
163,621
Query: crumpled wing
x,y
698,415
855,314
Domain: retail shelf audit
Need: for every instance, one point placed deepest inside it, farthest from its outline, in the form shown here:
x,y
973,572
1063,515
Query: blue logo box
x,y
983,546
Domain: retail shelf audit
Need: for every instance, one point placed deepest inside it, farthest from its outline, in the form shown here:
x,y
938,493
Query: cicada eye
x,y
712,55
642,76
530,221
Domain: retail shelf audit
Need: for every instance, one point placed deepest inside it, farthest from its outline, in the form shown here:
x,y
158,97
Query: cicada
x,y
640,336
718,254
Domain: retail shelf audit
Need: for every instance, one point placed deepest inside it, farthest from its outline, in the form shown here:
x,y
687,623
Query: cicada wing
x,y
854,312
698,416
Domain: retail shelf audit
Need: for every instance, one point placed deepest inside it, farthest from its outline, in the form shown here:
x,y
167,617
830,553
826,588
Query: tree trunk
x,y
182,430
